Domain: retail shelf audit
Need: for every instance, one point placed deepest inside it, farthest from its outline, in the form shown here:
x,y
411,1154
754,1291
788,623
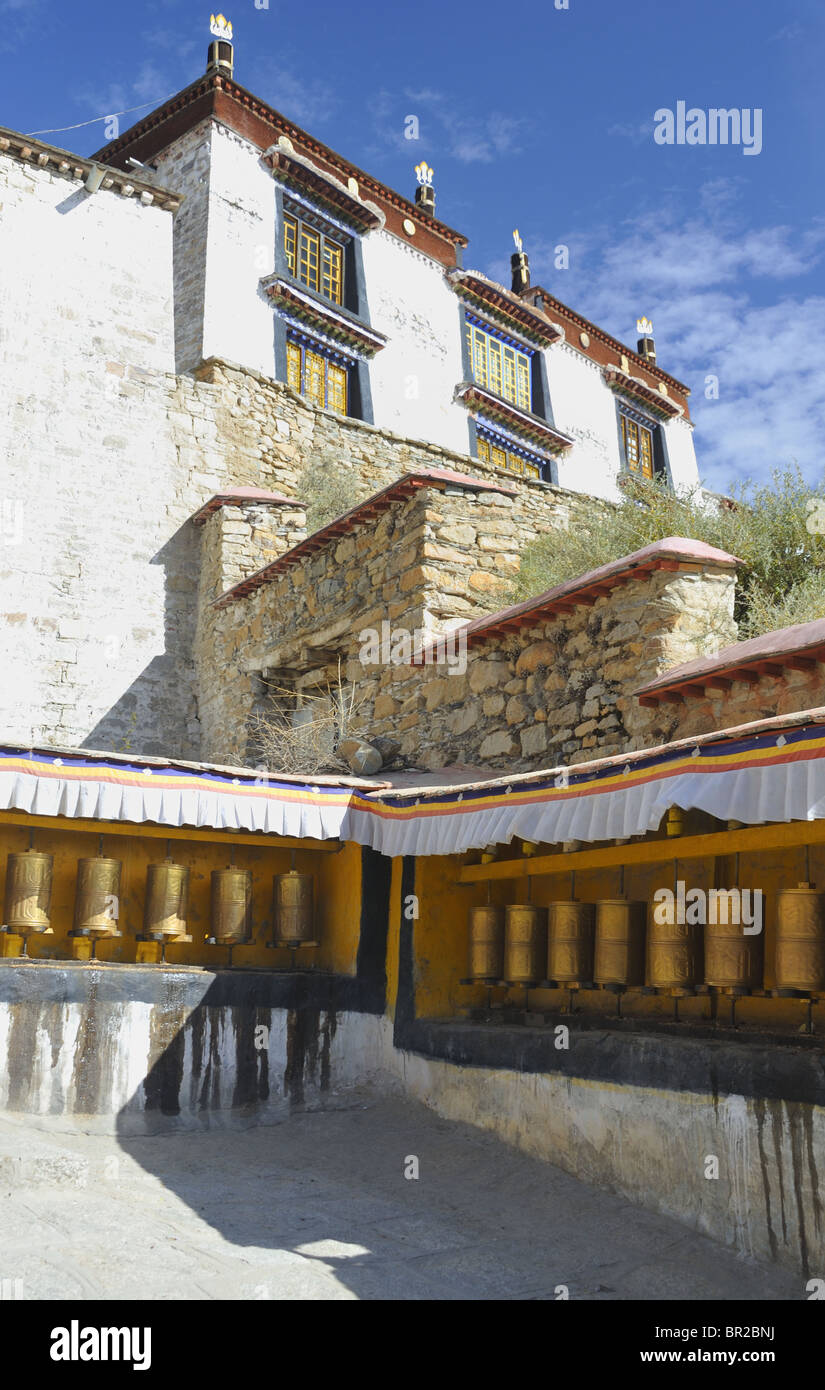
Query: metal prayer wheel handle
x,y
231,915
28,895
293,911
733,961
674,952
570,937
486,944
97,897
799,962
524,944
167,901
619,953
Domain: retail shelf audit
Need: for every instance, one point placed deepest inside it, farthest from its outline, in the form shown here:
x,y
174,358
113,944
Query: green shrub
x,y
783,569
328,491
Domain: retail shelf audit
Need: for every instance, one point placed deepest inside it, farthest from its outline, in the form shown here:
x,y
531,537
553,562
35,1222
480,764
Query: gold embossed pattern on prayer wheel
x,y
570,933
733,960
673,950
620,942
231,905
97,896
292,901
28,893
524,944
167,900
800,939
486,943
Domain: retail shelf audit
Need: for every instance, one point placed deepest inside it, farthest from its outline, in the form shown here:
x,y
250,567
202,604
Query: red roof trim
x,y
399,491
239,495
799,647
671,553
552,305
212,83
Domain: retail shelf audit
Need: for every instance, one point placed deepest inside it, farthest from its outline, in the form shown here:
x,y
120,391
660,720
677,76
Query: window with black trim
x,y
314,258
321,379
637,444
499,364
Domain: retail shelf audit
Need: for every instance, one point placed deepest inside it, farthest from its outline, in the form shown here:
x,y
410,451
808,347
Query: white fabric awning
x,y
768,772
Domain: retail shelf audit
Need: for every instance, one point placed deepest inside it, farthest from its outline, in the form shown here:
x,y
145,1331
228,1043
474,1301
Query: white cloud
x,y
726,300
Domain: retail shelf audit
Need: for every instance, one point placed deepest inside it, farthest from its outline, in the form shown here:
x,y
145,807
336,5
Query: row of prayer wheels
x,y
27,907
616,943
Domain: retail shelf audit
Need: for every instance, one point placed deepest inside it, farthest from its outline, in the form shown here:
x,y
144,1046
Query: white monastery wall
x,y
414,377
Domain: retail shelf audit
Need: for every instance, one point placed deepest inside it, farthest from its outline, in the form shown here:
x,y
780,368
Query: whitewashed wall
x,y
415,376
86,364
585,408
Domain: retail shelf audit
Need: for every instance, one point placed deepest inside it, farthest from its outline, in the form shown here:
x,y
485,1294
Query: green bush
x,y
328,491
782,578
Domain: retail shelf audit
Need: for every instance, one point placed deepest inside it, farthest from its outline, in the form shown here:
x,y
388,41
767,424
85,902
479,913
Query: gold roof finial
x,y
221,27
424,174
518,241
644,328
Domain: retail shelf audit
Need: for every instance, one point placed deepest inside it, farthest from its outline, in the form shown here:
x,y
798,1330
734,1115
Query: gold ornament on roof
x,y
518,241
644,328
221,27
424,174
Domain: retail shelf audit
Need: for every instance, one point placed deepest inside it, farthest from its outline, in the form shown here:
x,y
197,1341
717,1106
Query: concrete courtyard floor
x,y
318,1207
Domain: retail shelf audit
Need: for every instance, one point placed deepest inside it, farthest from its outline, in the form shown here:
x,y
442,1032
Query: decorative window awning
x,y
504,307
769,772
635,389
325,190
328,322
483,403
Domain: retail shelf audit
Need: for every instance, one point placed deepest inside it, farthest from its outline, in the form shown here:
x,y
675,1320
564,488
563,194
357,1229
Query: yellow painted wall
x,y
337,893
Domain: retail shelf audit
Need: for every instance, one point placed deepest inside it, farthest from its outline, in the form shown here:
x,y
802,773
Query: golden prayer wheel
x,y
486,943
620,942
231,906
97,897
733,961
524,944
28,893
800,939
570,928
673,952
292,906
167,900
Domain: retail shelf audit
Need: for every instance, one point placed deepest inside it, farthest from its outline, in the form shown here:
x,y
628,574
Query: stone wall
x,y
271,430
743,703
561,690
426,563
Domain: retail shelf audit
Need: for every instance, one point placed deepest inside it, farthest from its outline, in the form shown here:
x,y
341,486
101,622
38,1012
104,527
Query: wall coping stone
x,y
399,491
237,496
797,647
674,552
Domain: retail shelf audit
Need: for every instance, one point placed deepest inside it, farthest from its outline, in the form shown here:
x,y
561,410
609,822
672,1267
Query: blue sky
x,y
540,118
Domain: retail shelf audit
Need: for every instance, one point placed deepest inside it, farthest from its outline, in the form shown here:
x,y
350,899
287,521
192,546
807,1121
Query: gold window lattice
x,y
314,259
316,378
501,457
638,447
501,368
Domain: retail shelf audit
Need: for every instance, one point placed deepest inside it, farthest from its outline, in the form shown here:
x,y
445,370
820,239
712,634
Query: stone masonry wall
x,y
742,704
268,428
561,691
426,563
